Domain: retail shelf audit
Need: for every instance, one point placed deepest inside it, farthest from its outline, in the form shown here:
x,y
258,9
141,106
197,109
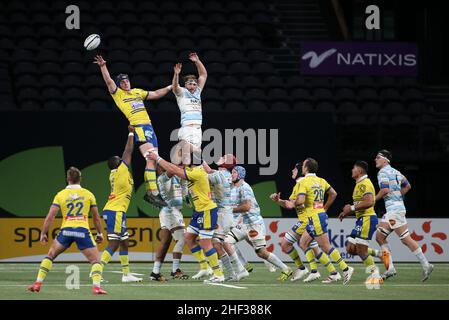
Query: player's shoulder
x,y
87,192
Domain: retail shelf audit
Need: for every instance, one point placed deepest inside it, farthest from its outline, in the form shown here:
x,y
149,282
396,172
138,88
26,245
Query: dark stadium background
x,y
48,84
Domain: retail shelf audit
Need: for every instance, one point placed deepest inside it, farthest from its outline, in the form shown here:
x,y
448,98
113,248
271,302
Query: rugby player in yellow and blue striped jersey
x,y
311,194
75,204
363,198
130,102
114,212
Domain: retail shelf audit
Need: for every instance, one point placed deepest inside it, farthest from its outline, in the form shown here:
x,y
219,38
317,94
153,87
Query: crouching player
x,y
114,212
75,204
172,225
252,226
366,223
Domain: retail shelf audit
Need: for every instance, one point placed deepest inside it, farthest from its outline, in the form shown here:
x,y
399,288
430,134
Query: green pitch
x,y
260,285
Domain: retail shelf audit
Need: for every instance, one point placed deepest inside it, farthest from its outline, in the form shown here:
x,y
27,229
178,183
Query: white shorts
x,y
171,218
225,223
395,219
254,233
191,134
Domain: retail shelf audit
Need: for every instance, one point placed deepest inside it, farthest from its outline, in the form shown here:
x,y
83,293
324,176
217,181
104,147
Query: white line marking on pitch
x,y
131,273
226,285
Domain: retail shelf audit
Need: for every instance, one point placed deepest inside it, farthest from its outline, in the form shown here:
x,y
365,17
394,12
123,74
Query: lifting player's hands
x,y
193,57
131,128
99,60
99,238
152,154
346,211
275,197
44,239
177,68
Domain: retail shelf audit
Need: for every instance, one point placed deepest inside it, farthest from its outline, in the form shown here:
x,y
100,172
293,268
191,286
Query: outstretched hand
x,y
99,60
177,68
275,196
131,128
193,57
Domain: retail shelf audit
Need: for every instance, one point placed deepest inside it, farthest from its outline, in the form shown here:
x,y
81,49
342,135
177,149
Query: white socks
x,y
240,255
421,257
235,259
227,264
175,265
157,267
277,262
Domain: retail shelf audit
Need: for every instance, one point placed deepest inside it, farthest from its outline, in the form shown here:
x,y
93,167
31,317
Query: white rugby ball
x,y
92,42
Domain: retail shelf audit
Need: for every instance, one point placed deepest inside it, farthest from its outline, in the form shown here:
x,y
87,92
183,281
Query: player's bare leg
x,y
55,250
161,252
406,239
93,256
272,258
178,236
152,194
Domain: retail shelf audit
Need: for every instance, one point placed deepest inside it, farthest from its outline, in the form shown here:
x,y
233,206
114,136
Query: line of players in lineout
x,y
225,210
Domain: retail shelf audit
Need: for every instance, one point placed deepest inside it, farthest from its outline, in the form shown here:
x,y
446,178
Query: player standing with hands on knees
x,y
130,102
75,204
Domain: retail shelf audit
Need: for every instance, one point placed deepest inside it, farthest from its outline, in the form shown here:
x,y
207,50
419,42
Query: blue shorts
x,y
317,224
116,225
81,236
204,220
365,227
144,133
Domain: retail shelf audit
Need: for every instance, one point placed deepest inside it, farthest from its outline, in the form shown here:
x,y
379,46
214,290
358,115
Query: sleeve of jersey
x,y
384,182
246,194
143,94
93,201
214,178
294,193
56,202
369,189
191,174
302,190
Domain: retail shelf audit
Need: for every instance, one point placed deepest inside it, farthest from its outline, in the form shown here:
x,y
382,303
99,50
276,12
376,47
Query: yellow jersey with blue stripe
x,y
363,187
121,181
301,209
75,203
131,104
199,189
313,188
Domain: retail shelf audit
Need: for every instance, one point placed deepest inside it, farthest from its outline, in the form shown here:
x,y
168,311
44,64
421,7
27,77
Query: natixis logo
x,y
315,59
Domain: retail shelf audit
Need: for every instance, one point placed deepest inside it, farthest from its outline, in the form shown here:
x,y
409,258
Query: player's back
x,y
389,177
243,193
121,182
221,182
362,188
199,188
132,106
75,203
313,188
190,107
171,190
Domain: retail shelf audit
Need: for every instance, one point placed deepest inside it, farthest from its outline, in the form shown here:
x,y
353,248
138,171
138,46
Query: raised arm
x,y
202,72
52,212
154,95
175,82
168,166
287,204
129,147
112,87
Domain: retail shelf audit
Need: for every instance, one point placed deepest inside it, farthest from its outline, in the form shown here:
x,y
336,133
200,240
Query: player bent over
x,y
114,212
393,186
366,224
252,226
311,194
75,204
130,103
205,213
172,226
292,236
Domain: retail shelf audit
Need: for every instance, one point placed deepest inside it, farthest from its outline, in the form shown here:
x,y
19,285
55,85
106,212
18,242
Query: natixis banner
x,y
359,58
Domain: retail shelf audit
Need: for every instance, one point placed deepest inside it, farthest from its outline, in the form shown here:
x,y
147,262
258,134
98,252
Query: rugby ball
x,y
92,42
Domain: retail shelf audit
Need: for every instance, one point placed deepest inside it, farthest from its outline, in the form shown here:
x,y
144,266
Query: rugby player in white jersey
x,y
393,186
252,226
189,103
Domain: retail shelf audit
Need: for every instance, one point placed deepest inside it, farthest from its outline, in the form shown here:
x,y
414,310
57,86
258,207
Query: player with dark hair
x,y
130,102
363,198
393,187
114,212
75,204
